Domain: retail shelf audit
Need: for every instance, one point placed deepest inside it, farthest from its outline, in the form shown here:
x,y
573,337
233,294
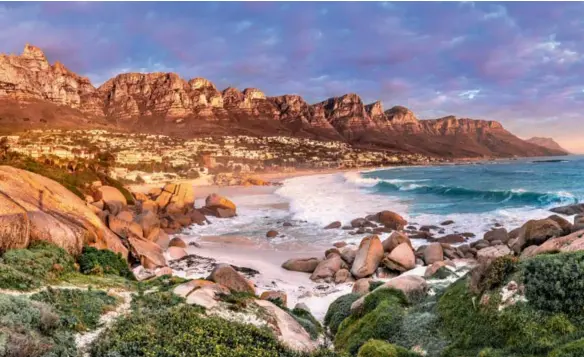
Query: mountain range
x,y
35,94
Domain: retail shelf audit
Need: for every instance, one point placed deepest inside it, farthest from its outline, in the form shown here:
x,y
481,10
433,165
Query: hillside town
x,y
157,158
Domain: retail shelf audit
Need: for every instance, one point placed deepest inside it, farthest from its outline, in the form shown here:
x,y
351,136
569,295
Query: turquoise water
x,y
478,188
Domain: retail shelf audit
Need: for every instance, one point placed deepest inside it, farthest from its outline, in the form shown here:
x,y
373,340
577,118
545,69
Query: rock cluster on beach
x,y
396,255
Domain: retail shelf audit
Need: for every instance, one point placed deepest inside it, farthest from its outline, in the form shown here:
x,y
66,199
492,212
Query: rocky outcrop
x,y
167,103
33,208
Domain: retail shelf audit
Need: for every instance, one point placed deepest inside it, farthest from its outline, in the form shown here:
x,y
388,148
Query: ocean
x,y
475,196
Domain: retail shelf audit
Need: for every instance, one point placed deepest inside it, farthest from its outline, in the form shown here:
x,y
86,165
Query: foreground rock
x,y
225,275
35,208
368,257
287,329
402,258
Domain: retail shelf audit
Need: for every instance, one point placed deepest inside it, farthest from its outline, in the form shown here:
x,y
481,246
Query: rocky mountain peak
x,y
400,115
374,109
201,83
253,93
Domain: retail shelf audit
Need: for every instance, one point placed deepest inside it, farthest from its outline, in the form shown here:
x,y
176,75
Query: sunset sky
x,y
519,63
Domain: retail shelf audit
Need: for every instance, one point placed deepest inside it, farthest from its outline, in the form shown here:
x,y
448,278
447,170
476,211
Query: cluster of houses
x,y
155,158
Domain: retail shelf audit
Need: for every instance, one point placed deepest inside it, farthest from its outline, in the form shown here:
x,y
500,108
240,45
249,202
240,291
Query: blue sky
x,y
519,63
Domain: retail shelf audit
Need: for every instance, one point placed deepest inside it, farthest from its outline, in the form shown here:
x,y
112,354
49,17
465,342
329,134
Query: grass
x,y
182,331
80,310
32,329
26,269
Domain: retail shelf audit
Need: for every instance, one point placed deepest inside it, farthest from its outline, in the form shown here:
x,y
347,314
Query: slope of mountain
x,y
548,143
35,94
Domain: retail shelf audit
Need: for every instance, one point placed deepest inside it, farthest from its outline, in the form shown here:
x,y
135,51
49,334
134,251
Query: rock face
x,y
33,207
166,103
368,257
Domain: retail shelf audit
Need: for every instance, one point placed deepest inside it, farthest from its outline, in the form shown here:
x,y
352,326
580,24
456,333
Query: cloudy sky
x,y
518,63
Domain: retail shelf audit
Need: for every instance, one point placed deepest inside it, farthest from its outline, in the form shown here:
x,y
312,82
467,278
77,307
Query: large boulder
x,y
391,219
183,195
110,195
395,239
216,201
149,221
433,253
499,234
578,222
124,228
274,296
305,265
148,253
160,237
402,256
326,269
333,225
349,253
493,252
556,245
33,208
535,232
566,226
176,253
413,287
569,210
225,275
368,257
286,328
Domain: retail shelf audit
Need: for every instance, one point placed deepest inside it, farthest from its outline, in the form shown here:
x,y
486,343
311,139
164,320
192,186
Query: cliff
x,y
36,94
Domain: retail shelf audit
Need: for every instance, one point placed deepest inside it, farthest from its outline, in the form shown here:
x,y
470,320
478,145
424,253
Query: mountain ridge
x,y
548,143
166,103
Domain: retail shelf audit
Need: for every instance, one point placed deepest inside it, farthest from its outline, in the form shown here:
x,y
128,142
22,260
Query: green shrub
x,y
32,329
99,262
339,310
556,282
519,329
490,275
377,348
374,285
183,331
40,260
308,322
80,310
572,349
143,302
373,299
382,321
13,279
161,283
